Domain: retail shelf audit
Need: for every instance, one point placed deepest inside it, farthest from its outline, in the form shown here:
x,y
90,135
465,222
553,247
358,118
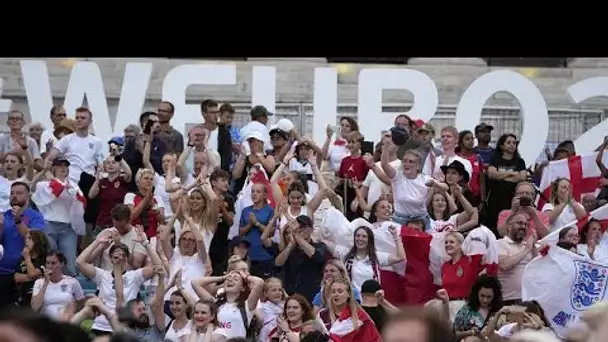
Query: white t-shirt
x,y
5,191
45,137
440,226
83,153
132,281
336,153
192,268
410,195
230,318
362,268
438,174
216,331
58,295
375,186
212,140
175,334
296,166
600,254
270,311
160,192
566,217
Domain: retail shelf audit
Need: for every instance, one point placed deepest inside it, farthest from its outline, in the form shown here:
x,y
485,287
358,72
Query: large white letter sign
x,y
264,89
371,83
132,95
86,81
5,104
181,77
38,90
579,92
325,102
531,102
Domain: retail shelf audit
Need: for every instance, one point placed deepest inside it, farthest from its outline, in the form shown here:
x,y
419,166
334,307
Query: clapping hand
x,y
253,221
140,235
443,295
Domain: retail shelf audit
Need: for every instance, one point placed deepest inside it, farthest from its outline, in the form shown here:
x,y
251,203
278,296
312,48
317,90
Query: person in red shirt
x,y
466,140
459,273
352,172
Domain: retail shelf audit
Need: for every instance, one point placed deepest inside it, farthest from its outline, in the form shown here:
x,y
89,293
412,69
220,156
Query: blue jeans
x,y
63,238
405,219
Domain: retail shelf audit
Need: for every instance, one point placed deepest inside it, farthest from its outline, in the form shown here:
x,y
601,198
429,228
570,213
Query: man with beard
x,y
515,251
135,319
15,225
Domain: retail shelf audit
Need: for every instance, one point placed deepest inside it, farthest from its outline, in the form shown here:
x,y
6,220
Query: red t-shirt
x,y
477,168
111,193
354,168
458,278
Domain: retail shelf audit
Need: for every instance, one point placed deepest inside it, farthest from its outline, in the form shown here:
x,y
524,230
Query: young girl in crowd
x,y
205,324
271,306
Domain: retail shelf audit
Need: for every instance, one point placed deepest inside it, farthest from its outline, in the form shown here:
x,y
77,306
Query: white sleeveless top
x,y
175,334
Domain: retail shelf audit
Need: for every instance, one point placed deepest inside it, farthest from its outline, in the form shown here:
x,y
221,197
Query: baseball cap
x,y
483,126
61,161
259,111
304,220
370,286
237,240
426,128
117,140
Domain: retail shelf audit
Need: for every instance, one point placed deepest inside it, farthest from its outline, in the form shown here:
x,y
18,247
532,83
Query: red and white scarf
x,y
344,329
49,191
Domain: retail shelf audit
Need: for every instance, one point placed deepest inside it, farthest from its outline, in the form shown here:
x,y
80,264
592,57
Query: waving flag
x,y
415,280
50,192
565,284
582,171
600,213
344,329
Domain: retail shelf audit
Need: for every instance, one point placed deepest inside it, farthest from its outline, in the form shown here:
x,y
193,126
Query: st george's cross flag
x,y
54,191
565,284
416,280
582,171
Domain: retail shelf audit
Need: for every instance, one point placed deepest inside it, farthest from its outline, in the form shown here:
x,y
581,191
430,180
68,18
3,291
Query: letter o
x,y
535,128
579,92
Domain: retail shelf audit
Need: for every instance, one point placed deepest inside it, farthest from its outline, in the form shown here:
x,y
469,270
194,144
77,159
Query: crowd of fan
x,y
218,235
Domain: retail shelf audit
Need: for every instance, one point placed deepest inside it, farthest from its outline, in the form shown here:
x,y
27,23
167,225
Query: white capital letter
x,y
579,92
85,81
181,77
5,104
532,105
38,90
371,83
132,95
264,88
325,102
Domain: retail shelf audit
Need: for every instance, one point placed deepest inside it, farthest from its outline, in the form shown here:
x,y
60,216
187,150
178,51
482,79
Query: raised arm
x,y
145,157
385,161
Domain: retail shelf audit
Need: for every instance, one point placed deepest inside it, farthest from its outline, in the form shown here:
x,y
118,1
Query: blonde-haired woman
x,y
18,166
410,186
147,209
333,269
562,208
460,272
348,321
